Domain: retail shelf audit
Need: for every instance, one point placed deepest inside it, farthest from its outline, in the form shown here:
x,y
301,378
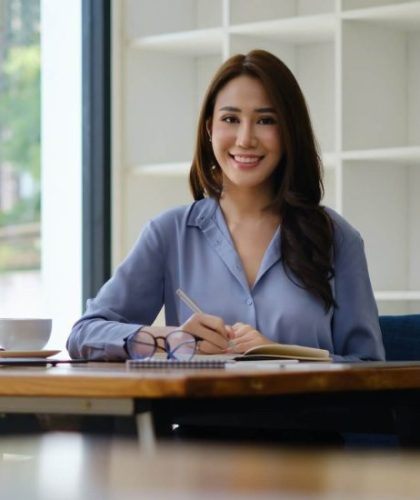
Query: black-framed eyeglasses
x,y
178,345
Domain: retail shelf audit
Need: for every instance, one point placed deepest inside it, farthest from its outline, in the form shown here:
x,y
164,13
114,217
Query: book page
x,y
289,351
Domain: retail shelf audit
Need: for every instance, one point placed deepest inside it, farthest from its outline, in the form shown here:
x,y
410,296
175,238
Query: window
x,y
41,161
20,172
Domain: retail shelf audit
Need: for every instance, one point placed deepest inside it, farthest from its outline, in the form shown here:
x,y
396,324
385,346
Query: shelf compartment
x,y
162,128
380,199
144,18
381,86
198,42
244,11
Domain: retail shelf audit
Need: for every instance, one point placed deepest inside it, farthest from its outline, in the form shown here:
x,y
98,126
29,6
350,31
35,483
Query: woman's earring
x,y
213,167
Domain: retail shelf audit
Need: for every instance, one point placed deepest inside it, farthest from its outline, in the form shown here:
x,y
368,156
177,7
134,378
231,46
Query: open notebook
x,y
284,351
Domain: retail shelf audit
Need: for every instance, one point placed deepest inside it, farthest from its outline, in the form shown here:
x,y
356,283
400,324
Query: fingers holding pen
x,y
211,329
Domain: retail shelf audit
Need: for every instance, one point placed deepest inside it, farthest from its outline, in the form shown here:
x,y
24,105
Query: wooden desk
x,y
72,466
110,389
113,380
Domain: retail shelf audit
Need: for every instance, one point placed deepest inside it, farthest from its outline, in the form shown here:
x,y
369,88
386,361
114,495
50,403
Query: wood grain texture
x,y
117,469
113,380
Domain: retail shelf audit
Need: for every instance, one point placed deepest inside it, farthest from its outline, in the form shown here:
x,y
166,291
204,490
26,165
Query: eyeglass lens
x,y
181,345
142,345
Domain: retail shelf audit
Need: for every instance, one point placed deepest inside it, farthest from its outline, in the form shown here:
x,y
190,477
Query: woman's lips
x,y
246,161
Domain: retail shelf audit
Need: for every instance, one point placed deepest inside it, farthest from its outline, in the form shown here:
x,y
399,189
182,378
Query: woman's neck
x,y
238,205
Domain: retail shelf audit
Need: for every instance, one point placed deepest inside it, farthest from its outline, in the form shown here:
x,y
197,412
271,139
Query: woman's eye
x,y
267,120
230,119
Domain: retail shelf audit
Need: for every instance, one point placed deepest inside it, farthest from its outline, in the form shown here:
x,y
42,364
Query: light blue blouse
x,y
190,247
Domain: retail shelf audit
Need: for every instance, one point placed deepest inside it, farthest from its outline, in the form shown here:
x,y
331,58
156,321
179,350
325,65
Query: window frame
x,y
96,145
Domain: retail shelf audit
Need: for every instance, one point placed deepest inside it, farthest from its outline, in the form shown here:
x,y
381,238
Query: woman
x,y
256,250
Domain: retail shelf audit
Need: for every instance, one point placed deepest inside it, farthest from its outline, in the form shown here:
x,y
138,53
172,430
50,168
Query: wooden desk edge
x,y
204,383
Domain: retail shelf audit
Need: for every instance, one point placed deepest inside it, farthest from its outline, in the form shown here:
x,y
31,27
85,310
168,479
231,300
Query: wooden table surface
x,y
113,380
346,398
69,466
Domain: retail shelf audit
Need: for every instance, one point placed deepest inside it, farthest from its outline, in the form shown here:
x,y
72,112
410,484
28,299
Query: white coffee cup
x,y
24,334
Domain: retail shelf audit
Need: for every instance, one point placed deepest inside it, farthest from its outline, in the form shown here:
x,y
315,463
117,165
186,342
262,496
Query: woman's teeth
x,y
246,159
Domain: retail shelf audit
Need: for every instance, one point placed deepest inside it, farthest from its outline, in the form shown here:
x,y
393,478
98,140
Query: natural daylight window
x,y
41,162
20,146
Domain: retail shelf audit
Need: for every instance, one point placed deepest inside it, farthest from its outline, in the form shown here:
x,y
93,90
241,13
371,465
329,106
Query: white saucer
x,y
28,354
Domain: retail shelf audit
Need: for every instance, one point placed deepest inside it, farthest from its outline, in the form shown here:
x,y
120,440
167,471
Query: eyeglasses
x,y
178,345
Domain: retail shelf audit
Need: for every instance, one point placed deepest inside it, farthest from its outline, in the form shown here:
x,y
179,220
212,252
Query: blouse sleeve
x,y
355,327
131,298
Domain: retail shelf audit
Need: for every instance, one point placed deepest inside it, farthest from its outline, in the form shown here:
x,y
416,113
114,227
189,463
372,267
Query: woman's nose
x,y
246,137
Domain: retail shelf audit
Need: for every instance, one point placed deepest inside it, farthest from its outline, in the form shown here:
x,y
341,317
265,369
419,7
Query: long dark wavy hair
x,y
307,235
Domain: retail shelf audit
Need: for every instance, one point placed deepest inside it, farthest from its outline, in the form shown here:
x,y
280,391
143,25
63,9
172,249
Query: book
x,y
284,351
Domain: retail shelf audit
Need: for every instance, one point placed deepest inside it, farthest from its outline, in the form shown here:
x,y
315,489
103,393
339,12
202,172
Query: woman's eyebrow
x,y
229,108
237,110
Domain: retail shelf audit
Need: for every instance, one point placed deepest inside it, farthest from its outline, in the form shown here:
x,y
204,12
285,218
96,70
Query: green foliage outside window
x,y
20,131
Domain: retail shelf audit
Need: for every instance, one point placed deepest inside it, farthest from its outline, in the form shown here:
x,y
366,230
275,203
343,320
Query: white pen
x,y
188,302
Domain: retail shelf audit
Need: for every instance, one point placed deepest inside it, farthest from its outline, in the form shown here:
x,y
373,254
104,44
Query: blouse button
x,y
249,302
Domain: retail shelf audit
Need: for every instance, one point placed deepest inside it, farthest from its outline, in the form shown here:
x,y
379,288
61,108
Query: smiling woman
x,y
256,251
288,178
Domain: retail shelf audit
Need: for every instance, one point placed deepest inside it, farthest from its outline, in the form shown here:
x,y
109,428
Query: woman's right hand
x,y
212,331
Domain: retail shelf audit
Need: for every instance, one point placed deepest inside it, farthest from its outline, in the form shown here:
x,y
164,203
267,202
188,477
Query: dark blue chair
x,y
401,336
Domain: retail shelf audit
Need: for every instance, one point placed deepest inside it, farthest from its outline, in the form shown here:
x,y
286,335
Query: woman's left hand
x,y
243,337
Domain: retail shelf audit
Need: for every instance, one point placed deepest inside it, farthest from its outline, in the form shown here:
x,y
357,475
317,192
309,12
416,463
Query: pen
x,y
192,305
188,302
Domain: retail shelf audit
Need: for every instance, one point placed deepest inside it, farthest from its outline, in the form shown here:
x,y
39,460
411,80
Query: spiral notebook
x,y
209,361
199,361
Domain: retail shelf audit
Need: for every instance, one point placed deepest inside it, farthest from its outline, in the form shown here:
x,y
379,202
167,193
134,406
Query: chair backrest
x,y
401,336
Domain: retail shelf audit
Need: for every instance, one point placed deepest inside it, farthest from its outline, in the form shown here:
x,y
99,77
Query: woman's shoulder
x,y
184,215
344,232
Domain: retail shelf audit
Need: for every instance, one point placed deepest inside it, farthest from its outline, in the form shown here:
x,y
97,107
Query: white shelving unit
x,y
359,67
